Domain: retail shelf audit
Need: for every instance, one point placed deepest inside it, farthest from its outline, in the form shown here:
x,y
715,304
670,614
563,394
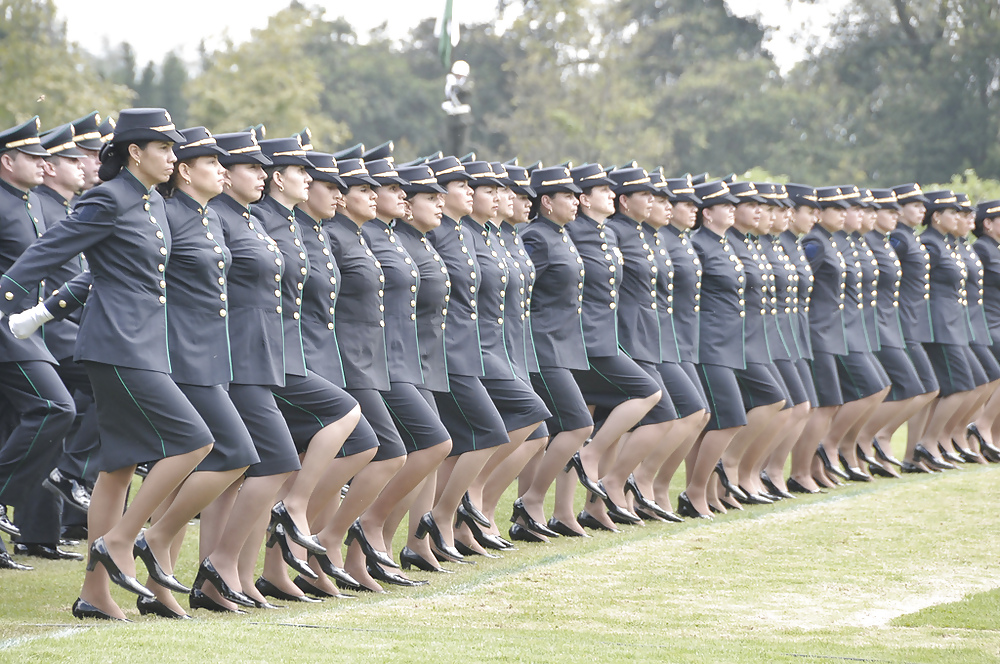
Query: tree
x,y
42,73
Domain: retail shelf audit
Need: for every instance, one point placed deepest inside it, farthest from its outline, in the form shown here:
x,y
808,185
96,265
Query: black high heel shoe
x,y
576,463
731,489
467,551
881,471
310,589
885,456
99,554
474,511
296,563
519,533
280,516
686,508
379,574
268,589
588,520
157,608
874,467
772,488
410,558
142,551
913,469
83,609
357,534
796,487
199,600
485,540
950,456
828,465
920,453
990,452
853,474
754,498
208,573
967,455
558,526
649,505
331,570
521,512
427,526
616,512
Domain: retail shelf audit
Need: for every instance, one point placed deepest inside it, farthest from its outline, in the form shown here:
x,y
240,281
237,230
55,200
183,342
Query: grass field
x,y
901,571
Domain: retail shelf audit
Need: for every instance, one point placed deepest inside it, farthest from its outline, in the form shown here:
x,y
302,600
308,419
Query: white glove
x,y
24,324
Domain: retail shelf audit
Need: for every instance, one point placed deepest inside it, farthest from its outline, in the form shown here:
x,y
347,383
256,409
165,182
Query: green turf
x,y
868,572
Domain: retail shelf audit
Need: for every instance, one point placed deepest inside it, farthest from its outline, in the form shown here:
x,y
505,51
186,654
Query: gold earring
x,y
137,162
187,180
281,187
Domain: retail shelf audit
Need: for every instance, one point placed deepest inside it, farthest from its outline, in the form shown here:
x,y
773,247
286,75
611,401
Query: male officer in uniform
x,y
28,379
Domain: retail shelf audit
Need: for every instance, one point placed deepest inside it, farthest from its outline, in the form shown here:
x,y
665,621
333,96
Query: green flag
x,y
447,33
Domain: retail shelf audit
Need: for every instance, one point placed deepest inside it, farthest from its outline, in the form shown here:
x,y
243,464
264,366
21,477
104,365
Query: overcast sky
x,y
179,25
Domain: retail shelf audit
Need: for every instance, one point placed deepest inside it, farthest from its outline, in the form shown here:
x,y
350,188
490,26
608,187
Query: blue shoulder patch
x,y
812,248
895,241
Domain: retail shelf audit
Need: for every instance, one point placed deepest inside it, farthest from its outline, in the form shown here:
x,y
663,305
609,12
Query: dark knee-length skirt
x,y
233,445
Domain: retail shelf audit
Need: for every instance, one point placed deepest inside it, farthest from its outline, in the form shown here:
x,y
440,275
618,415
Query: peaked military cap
x,y
520,181
696,180
467,158
714,193
553,180
884,199
830,197
481,173
198,142
681,190
500,173
23,138
987,210
659,183
779,196
909,193
868,199
241,148
325,169
944,199
802,195
59,142
852,195
447,169
746,192
259,130
729,179
531,168
964,202
383,151
87,132
107,130
383,171
305,137
354,173
285,152
589,176
419,180
353,152
145,124
630,179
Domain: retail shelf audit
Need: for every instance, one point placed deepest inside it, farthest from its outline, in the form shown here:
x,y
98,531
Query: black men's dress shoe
x,y
73,492
6,562
47,551
6,525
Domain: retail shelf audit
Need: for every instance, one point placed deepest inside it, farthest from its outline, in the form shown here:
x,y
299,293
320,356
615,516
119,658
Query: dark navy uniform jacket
x,y
826,302
638,318
516,323
493,279
59,335
604,268
21,223
282,227
319,301
978,329
803,292
121,227
947,301
785,278
432,305
723,314
756,295
869,289
454,244
256,331
989,254
361,309
854,294
890,328
669,352
556,311
686,291
197,297
402,283
915,287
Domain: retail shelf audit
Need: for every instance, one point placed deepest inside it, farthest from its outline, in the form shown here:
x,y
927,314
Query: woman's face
x,y
599,201
852,220
780,220
521,211
485,203
885,220
390,202
767,215
293,184
719,218
245,182
946,221
155,162
832,218
426,210
966,222
912,214
360,204
684,214
323,199
659,212
746,216
991,227
506,199
868,219
458,197
560,207
204,175
636,205
803,219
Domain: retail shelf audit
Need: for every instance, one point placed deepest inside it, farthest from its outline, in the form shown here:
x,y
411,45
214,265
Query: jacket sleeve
x,y
70,297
